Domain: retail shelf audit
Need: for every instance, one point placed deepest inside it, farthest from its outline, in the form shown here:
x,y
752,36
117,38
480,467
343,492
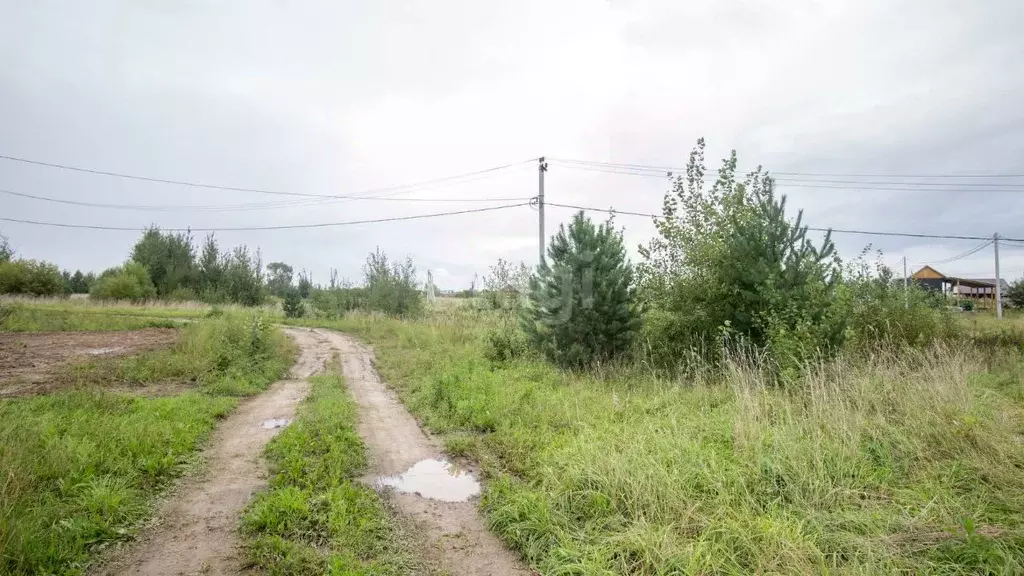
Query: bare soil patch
x,y
30,362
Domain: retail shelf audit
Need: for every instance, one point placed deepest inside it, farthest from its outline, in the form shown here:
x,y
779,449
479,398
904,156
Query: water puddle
x,y
434,479
275,423
101,351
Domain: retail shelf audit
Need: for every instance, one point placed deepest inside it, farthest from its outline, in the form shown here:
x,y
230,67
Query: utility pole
x,y
999,295
906,282
542,167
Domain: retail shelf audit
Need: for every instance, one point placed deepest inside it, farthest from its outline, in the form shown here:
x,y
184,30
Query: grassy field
x,y
905,463
316,518
21,314
79,469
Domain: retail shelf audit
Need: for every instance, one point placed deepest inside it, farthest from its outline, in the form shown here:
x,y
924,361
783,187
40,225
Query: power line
x,y
970,252
281,227
608,210
236,207
833,230
254,190
891,186
824,174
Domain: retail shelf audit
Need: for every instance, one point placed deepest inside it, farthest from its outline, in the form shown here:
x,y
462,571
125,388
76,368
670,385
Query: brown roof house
x,y
982,288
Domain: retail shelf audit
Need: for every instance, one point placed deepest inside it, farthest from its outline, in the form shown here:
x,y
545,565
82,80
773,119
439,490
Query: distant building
x,y
980,288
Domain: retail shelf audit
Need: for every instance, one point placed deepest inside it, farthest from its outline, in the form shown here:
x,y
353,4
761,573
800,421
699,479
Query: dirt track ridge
x,y
196,531
457,538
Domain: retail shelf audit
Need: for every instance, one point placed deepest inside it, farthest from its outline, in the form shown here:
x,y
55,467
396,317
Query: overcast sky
x,y
339,97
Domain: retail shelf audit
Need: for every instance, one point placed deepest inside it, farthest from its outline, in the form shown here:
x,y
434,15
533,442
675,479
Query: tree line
x,y
170,266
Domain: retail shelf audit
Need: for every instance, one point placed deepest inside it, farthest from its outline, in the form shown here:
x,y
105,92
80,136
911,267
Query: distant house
x,y
980,288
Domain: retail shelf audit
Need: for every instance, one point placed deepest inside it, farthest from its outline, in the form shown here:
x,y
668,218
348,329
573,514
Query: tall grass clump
x,y
80,469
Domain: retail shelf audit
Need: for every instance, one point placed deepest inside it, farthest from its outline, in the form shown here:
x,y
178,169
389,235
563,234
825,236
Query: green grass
x,y
22,318
316,518
213,355
909,463
80,469
63,314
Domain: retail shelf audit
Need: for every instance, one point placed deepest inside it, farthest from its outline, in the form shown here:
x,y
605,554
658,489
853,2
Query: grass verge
x,y
29,318
80,469
316,518
909,463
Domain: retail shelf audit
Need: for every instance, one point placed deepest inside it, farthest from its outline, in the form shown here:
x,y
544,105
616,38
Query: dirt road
x,y
458,539
196,532
197,527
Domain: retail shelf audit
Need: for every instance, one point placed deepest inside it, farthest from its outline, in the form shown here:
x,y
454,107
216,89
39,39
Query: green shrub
x,y
31,277
1015,295
292,305
505,285
730,267
506,343
168,257
333,303
581,309
128,282
6,251
880,312
730,272
391,286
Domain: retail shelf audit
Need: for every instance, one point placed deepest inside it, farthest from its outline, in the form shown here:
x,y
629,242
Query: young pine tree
x,y
292,305
581,309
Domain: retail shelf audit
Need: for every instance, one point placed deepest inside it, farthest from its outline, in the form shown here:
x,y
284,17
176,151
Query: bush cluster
x,y
128,282
30,277
729,273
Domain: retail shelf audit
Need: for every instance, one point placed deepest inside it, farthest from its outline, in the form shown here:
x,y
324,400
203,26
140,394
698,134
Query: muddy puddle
x,y
434,479
275,423
102,351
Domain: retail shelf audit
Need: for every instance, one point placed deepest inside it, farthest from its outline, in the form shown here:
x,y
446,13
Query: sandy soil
x,y
29,361
457,538
196,531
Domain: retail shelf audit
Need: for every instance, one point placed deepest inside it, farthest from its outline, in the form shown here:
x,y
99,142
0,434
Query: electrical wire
x,y
799,174
970,252
280,227
828,184
255,190
238,207
832,230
